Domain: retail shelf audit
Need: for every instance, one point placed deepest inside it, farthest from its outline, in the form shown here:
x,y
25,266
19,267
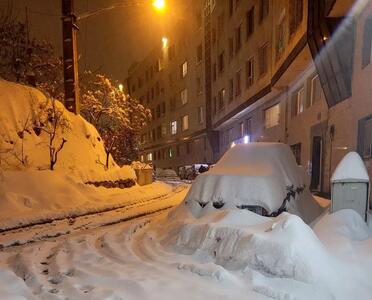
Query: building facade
x,y
292,71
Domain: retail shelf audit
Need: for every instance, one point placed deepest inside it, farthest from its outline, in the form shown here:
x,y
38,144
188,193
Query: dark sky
x,y
108,42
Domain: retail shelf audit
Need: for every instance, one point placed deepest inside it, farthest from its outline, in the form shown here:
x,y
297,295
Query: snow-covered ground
x,y
147,258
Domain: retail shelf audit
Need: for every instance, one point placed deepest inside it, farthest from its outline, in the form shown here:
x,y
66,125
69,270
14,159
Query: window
x,y
280,39
158,132
163,130
200,114
241,129
250,22
231,90
178,150
263,59
315,90
231,7
163,108
221,99
231,48
272,116
214,105
149,156
238,89
367,42
296,15
185,122
249,127
172,104
296,149
365,137
170,152
153,135
199,86
221,62
238,38
173,127
298,102
199,53
157,88
264,9
188,147
158,111
184,70
184,96
249,76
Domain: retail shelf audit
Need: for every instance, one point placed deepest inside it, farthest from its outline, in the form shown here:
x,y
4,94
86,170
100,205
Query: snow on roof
x,y
351,168
256,174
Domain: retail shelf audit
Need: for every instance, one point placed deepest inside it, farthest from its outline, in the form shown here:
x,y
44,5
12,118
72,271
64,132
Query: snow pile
x,y
137,165
283,257
351,168
82,156
256,174
39,196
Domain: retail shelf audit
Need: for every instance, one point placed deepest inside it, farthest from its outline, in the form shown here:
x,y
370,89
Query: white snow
x,y
256,174
351,168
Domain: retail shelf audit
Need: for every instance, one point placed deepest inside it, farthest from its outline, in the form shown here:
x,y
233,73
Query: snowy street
x,y
120,261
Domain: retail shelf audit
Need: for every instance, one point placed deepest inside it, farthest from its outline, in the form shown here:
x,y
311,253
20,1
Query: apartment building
x,y
170,82
292,71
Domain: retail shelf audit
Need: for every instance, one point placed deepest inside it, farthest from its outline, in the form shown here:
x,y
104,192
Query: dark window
x,y
158,111
263,59
238,38
172,104
158,132
188,147
367,41
365,137
163,108
238,88
296,149
221,62
231,48
250,22
221,99
296,15
231,7
264,9
249,73
199,53
153,135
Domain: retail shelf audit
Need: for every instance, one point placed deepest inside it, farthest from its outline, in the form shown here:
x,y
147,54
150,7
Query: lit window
x,y
184,96
184,69
298,102
316,90
185,122
200,115
272,116
170,152
249,69
149,156
163,130
173,126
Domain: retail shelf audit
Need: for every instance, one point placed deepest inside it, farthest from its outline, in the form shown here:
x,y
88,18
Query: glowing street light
x,y
121,87
159,5
164,40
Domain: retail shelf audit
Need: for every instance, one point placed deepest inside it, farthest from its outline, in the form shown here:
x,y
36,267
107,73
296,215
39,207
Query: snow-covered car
x,y
262,177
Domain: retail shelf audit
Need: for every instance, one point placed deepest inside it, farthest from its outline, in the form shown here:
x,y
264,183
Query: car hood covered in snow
x,y
256,174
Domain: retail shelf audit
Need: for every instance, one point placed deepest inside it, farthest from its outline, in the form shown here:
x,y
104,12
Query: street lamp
x,y
159,5
121,87
70,56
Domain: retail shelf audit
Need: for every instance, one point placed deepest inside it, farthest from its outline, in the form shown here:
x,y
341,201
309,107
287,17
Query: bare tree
x,y
52,120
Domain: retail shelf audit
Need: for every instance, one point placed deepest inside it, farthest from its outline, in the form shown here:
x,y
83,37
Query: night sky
x,y
109,42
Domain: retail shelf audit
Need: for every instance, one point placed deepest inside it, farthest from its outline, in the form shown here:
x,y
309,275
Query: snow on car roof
x,y
255,174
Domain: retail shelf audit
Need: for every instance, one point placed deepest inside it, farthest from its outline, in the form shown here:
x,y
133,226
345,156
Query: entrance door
x,y
316,161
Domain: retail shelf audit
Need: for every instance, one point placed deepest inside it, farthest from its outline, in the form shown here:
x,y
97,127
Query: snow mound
x,y
82,156
239,239
256,174
351,168
166,174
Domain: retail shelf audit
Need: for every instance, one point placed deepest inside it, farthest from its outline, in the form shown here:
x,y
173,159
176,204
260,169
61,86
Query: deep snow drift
x,y
256,174
282,257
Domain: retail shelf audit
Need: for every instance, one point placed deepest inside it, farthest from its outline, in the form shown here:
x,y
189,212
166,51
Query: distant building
x,y
292,71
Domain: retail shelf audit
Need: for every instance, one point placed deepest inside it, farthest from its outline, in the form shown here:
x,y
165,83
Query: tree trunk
x,y
107,159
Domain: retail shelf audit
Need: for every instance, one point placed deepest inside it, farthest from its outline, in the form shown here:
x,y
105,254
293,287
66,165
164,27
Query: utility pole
x,y
70,58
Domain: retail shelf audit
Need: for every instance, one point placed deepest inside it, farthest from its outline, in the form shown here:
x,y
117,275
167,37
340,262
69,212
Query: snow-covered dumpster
x,y
350,185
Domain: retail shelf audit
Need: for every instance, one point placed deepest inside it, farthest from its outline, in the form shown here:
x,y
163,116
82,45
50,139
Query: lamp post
x,y
70,56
